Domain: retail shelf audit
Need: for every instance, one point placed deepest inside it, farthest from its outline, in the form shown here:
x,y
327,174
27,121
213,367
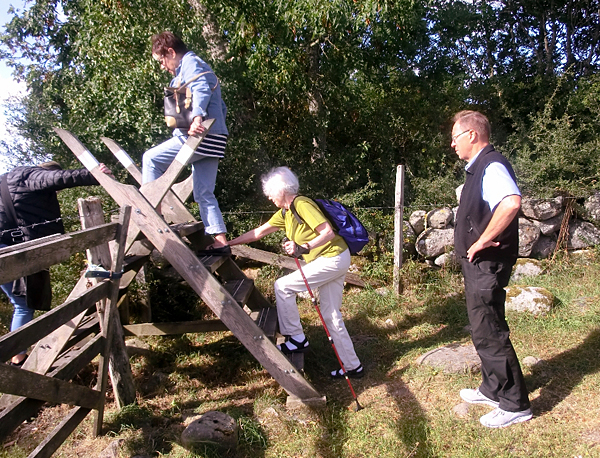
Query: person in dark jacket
x,y
486,239
32,191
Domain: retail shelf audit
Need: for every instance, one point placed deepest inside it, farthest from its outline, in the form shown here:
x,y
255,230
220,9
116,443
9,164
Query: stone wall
x,y
430,235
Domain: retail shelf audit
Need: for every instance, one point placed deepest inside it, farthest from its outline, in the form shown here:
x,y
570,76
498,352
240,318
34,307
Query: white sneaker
x,y
499,418
477,397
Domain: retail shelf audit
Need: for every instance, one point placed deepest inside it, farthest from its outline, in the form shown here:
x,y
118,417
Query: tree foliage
x,y
339,91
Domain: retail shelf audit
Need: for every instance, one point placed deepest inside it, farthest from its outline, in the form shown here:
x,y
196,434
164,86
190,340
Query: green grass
x,y
407,408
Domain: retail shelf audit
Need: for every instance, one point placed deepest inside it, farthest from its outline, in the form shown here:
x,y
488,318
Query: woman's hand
x,y
295,250
196,128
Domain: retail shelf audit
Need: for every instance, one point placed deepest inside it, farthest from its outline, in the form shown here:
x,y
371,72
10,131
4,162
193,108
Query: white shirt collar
x,y
470,163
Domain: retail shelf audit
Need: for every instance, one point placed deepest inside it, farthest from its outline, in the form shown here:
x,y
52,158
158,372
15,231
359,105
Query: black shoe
x,y
359,372
293,346
224,250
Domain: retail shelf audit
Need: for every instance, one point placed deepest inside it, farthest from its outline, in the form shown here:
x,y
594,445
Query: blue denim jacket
x,y
205,102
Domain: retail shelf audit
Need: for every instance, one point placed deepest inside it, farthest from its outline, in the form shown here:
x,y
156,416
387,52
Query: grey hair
x,y
278,181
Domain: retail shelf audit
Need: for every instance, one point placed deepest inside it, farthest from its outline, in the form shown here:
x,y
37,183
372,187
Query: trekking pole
x,y
314,302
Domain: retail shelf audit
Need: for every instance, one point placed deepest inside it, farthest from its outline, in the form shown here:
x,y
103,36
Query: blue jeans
x,y
156,161
22,314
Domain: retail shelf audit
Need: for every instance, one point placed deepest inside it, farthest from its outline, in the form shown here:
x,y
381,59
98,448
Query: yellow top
x,y
304,232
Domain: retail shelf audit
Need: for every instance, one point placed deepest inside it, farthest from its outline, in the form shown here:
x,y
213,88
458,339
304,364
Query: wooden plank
x,y
28,258
284,262
24,408
20,339
29,384
114,359
174,328
172,208
91,215
239,289
297,360
229,271
88,326
56,438
185,229
184,189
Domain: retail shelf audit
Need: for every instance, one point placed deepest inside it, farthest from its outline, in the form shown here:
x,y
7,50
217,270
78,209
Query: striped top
x,y
213,145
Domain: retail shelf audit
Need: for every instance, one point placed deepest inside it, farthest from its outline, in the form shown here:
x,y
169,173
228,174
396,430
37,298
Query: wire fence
x,y
408,210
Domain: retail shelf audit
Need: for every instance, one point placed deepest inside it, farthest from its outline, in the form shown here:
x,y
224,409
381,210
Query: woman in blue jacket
x,y
172,54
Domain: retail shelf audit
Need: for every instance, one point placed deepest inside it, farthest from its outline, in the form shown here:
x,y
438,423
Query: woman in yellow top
x,y
328,260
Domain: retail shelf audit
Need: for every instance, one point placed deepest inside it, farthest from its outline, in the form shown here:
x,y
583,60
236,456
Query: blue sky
x,y
7,85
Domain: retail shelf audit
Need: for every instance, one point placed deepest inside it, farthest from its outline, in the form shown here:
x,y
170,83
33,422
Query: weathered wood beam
x,y
20,339
284,262
165,329
56,438
28,258
24,408
14,380
114,358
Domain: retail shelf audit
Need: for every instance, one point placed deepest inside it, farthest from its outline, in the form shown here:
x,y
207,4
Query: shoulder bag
x,y
178,104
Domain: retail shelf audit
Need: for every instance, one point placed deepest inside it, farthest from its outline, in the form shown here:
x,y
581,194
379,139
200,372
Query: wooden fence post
x,y
398,236
91,214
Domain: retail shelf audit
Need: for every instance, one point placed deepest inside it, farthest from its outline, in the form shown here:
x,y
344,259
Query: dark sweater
x,y
474,213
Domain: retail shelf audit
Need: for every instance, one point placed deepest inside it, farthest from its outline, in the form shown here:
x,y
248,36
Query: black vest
x,y
474,213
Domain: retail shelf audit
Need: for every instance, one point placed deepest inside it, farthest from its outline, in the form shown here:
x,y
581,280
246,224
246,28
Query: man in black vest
x,y
486,238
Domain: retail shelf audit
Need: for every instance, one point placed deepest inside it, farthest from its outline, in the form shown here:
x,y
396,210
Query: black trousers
x,y
502,379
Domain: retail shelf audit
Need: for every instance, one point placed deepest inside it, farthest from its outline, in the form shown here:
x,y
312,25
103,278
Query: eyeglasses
x,y
454,137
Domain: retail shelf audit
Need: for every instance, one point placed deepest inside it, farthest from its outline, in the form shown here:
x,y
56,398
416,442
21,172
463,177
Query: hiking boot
x,y
499,418
359,372
477,397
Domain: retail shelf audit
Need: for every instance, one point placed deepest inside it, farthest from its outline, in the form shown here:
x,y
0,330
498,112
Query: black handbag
x,y
36,287
178,104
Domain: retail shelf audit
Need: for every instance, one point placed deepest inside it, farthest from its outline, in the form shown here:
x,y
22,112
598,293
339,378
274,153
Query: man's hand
x,y
505,212
196,128
478,246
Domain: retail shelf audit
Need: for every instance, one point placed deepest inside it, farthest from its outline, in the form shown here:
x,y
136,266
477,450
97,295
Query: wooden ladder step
x,y
212,263
185,229
266,319
240,289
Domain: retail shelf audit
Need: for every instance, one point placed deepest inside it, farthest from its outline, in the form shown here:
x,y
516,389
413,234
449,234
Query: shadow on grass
x,y
379,355
558,376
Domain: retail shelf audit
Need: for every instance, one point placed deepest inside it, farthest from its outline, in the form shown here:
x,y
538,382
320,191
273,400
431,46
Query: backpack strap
x,y
295,212
195,77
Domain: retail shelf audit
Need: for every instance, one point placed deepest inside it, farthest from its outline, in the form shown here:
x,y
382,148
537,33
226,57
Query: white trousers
x,y
326,274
